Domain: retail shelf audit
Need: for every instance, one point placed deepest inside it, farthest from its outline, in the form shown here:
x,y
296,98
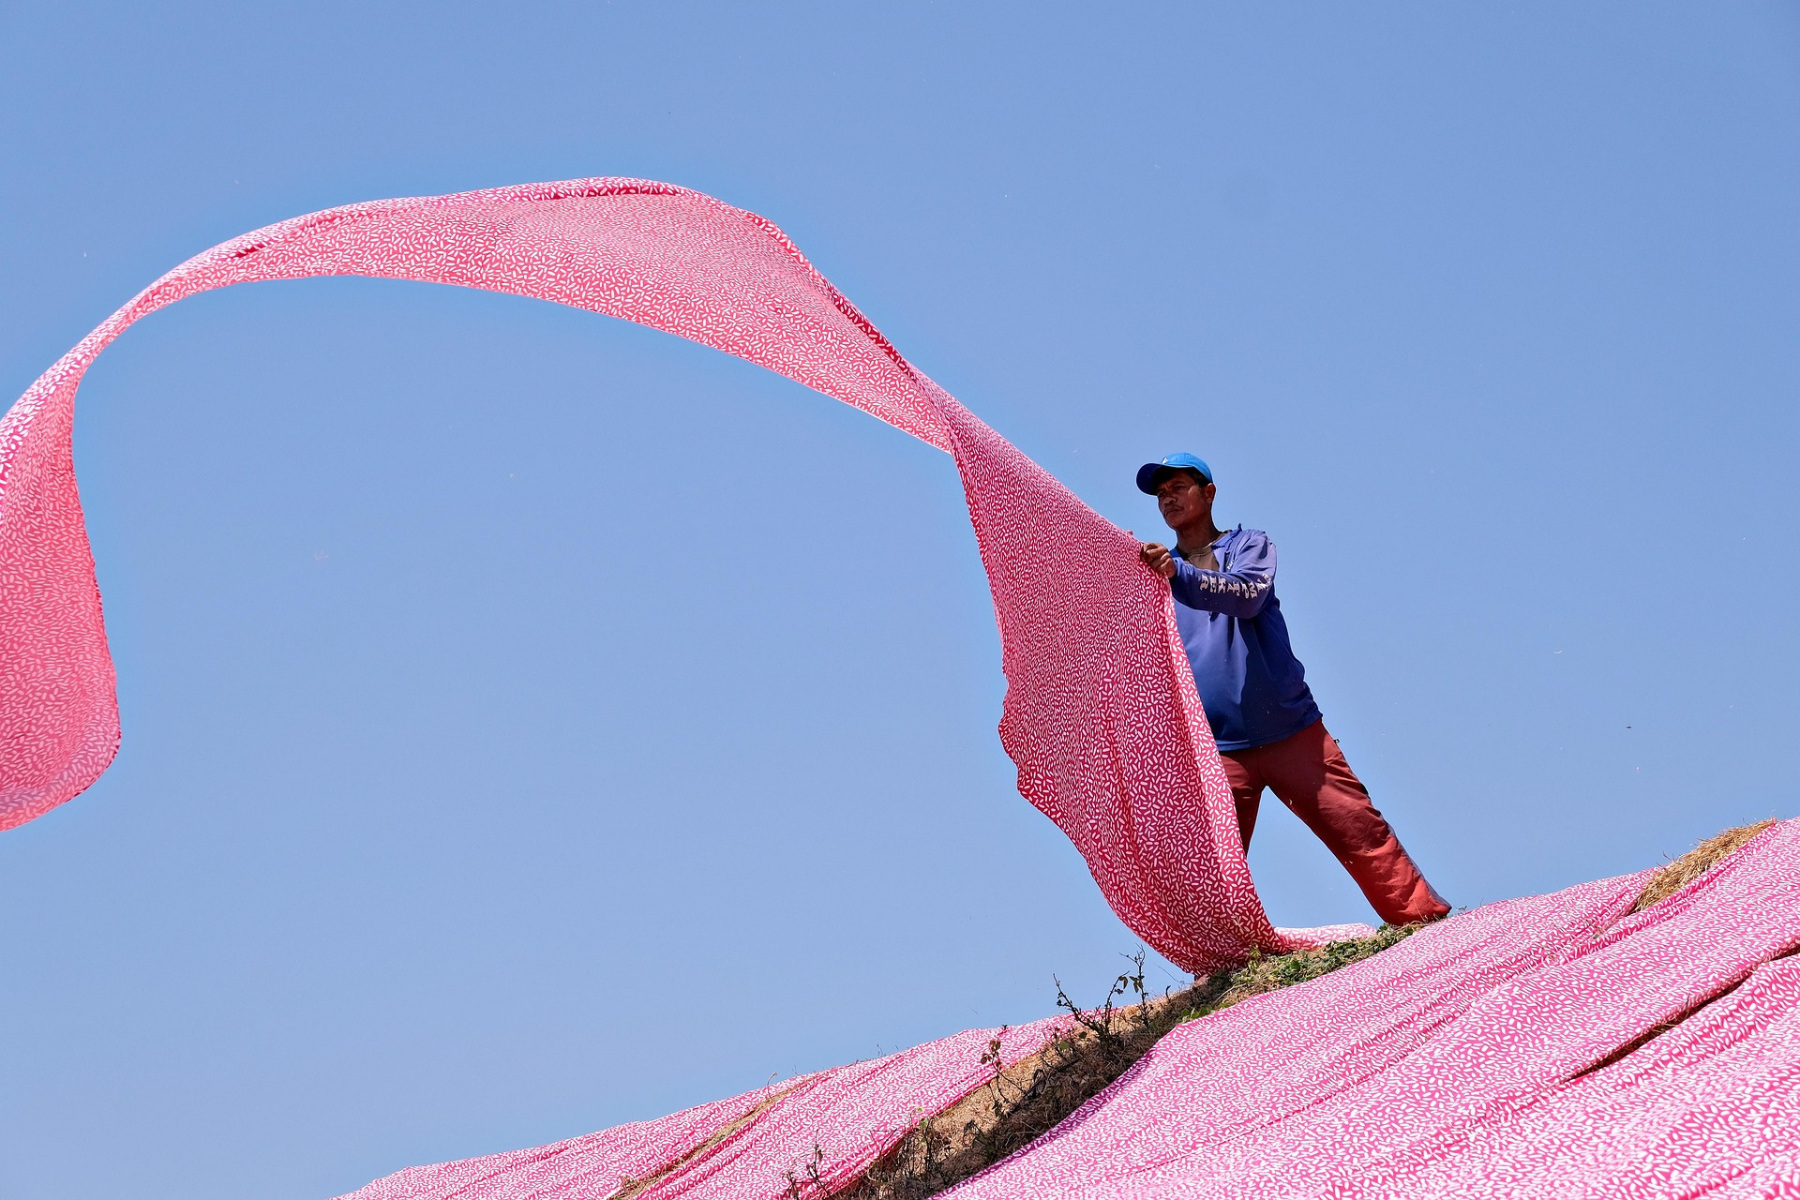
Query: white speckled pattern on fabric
x,y
1658,1056
1219,1074
1101,716
851,1115
592,1165
1555,1046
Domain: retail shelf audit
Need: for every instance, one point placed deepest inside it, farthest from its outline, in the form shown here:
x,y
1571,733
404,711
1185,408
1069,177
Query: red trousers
x,y
1307,772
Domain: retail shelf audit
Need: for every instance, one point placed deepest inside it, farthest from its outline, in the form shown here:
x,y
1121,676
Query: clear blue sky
x,y
533,722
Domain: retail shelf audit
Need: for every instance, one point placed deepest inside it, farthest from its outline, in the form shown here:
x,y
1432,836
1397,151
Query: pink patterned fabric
x,y
1530,1049
594,1165
849,1116
1547,1047
1101,716
1211,1081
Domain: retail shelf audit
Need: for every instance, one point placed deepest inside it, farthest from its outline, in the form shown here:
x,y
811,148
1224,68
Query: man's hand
x,y
1156,556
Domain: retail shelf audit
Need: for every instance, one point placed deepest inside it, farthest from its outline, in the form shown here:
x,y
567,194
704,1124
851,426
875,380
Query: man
x,y
1268,729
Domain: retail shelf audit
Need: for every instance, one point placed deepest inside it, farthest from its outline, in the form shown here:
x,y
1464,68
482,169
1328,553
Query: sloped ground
x,y
1562,1045
1479,1056
1019,1105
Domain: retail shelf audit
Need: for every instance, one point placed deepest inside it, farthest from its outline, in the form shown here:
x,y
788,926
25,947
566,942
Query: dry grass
x,y
1272,973
1695,863
1023,1102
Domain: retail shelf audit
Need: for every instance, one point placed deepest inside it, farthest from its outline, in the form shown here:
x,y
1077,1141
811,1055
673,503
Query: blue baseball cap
x,y
1147,478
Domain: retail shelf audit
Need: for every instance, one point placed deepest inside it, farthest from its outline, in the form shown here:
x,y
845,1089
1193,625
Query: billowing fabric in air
x,y
1101,715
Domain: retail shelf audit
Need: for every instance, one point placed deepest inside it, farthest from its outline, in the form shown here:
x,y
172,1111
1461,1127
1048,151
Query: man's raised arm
x,y
1238,592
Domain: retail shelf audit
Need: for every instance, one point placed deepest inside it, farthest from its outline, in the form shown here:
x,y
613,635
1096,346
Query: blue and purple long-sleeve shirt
x,y
1251,685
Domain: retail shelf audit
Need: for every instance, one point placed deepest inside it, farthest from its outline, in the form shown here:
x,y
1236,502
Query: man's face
x,y
1183,499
